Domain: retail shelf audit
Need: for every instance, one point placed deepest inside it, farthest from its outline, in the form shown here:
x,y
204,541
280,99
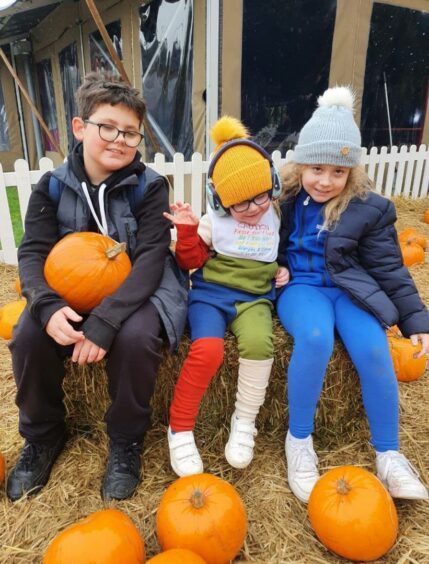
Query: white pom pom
x,y
337,96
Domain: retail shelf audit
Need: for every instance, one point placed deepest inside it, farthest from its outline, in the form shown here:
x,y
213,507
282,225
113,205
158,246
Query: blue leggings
x,y
310,314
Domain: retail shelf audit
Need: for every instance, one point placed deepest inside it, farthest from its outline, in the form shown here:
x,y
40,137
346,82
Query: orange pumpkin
x,y
426,216
204,514
9,316
407,368
104,537
176,556
410,235
84,268
2,468
353,514
412,253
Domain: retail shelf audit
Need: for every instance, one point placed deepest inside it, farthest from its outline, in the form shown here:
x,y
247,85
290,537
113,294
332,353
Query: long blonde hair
x,y
358,185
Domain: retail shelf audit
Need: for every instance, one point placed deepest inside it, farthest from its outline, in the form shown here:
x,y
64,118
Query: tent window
x,y
70,81
47,102
4,127
286,56
166,34
396,77
99,55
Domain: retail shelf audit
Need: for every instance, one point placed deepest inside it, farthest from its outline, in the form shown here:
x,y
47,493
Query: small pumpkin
x,y
177,556
204,514
353,514
104,537
9,316
412,253
84,268
426,216
2,468
407,368
410,235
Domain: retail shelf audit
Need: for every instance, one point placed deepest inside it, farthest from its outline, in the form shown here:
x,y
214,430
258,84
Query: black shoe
x,y
33,468
123,471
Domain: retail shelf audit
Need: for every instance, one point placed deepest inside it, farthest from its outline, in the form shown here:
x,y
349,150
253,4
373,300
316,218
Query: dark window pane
x,y
47,101
100,56
397,62
286,60
70,81
4,127
166,30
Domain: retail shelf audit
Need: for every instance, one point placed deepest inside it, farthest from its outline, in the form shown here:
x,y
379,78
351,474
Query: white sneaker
x,y
239,448
399,476
184,456
302,472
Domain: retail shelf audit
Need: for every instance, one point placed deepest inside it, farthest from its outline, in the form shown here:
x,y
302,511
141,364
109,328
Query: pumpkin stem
x,y
114,251
197,499
343,487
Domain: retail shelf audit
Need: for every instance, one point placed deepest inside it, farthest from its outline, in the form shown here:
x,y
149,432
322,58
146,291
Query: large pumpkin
x,y
412,253
2,468
177,556
9,316
353,514
84,268
204,514
410,235
407,368
426,216
104,537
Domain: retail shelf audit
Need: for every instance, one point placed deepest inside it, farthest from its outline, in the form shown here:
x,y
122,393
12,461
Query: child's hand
x,y
423,338
282,277
86,351
182,214
59,328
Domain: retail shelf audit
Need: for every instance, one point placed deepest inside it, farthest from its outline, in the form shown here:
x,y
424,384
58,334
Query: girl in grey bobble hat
x,y
347,275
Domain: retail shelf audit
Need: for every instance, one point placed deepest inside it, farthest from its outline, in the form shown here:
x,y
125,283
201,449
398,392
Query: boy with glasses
x,y
234,247
102,191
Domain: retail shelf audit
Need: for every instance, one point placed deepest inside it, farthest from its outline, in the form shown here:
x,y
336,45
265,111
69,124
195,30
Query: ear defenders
x,y
211,194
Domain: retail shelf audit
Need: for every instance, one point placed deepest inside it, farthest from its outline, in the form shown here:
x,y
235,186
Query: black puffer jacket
x,y
363,257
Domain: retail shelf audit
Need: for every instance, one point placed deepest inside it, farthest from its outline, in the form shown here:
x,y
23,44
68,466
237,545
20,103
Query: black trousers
x,y
132,365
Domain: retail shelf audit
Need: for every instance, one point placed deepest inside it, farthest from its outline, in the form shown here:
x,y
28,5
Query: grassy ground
x,y
12,196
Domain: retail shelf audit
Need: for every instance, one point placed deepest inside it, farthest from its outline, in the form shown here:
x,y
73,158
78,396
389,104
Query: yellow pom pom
x,y
227,128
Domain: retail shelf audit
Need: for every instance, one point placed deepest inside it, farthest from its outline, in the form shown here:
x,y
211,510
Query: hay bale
x,y
339,409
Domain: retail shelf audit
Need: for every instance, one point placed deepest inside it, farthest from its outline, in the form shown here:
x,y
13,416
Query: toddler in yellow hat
x,y
234,249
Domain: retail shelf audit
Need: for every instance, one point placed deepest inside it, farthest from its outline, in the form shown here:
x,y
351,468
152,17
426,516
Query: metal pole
x,y
212,69
388,109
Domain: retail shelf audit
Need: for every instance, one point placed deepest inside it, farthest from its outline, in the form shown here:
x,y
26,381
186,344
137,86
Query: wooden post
x,y
30,102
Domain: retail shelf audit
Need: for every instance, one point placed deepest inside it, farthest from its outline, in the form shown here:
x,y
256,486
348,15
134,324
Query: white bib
x,y
240,240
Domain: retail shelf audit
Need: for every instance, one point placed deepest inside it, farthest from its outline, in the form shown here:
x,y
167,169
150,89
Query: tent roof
x,y
17,20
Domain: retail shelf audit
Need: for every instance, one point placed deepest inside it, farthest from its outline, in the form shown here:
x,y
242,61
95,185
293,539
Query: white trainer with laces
x,y
184,456
239,448
302,472
399,476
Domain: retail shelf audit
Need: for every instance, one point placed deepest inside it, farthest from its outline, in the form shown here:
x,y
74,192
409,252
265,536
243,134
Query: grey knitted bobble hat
x,y
331,135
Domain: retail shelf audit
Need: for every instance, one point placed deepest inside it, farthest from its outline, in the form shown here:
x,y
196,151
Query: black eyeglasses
x,y
259,200
109,132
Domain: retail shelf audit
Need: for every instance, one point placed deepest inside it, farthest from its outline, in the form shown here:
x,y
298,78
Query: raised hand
x,y
182,214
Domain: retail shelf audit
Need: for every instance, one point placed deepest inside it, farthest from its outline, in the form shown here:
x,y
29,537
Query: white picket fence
x,y
398,172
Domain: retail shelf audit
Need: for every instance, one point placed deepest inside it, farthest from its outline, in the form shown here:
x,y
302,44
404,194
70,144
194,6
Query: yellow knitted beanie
x,y
241,172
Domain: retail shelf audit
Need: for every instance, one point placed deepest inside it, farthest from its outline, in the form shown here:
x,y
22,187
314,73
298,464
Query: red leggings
x,y
203,361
